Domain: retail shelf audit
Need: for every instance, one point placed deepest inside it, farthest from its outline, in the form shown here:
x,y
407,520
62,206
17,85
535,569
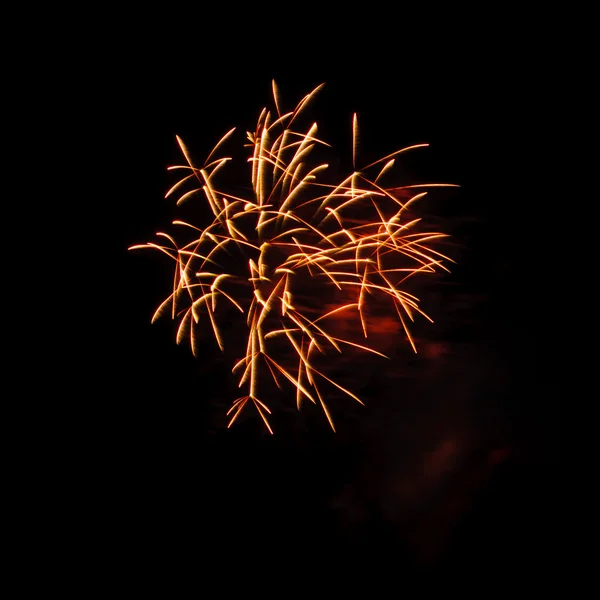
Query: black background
x,y
171,496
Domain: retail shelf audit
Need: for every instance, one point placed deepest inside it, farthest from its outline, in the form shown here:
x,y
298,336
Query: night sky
x,y
182,498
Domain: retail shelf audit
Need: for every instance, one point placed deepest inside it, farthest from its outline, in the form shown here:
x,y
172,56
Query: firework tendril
x,y
275,256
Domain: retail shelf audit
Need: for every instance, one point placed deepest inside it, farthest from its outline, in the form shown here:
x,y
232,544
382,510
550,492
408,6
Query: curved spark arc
x,y
264,254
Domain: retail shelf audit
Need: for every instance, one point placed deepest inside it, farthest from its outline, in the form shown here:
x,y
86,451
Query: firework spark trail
x,y
295,236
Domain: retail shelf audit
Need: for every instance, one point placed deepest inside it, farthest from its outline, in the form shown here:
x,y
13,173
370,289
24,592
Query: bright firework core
x,y
293,257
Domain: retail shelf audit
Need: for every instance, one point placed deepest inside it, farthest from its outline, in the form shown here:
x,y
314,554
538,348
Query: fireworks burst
x,y
293,257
